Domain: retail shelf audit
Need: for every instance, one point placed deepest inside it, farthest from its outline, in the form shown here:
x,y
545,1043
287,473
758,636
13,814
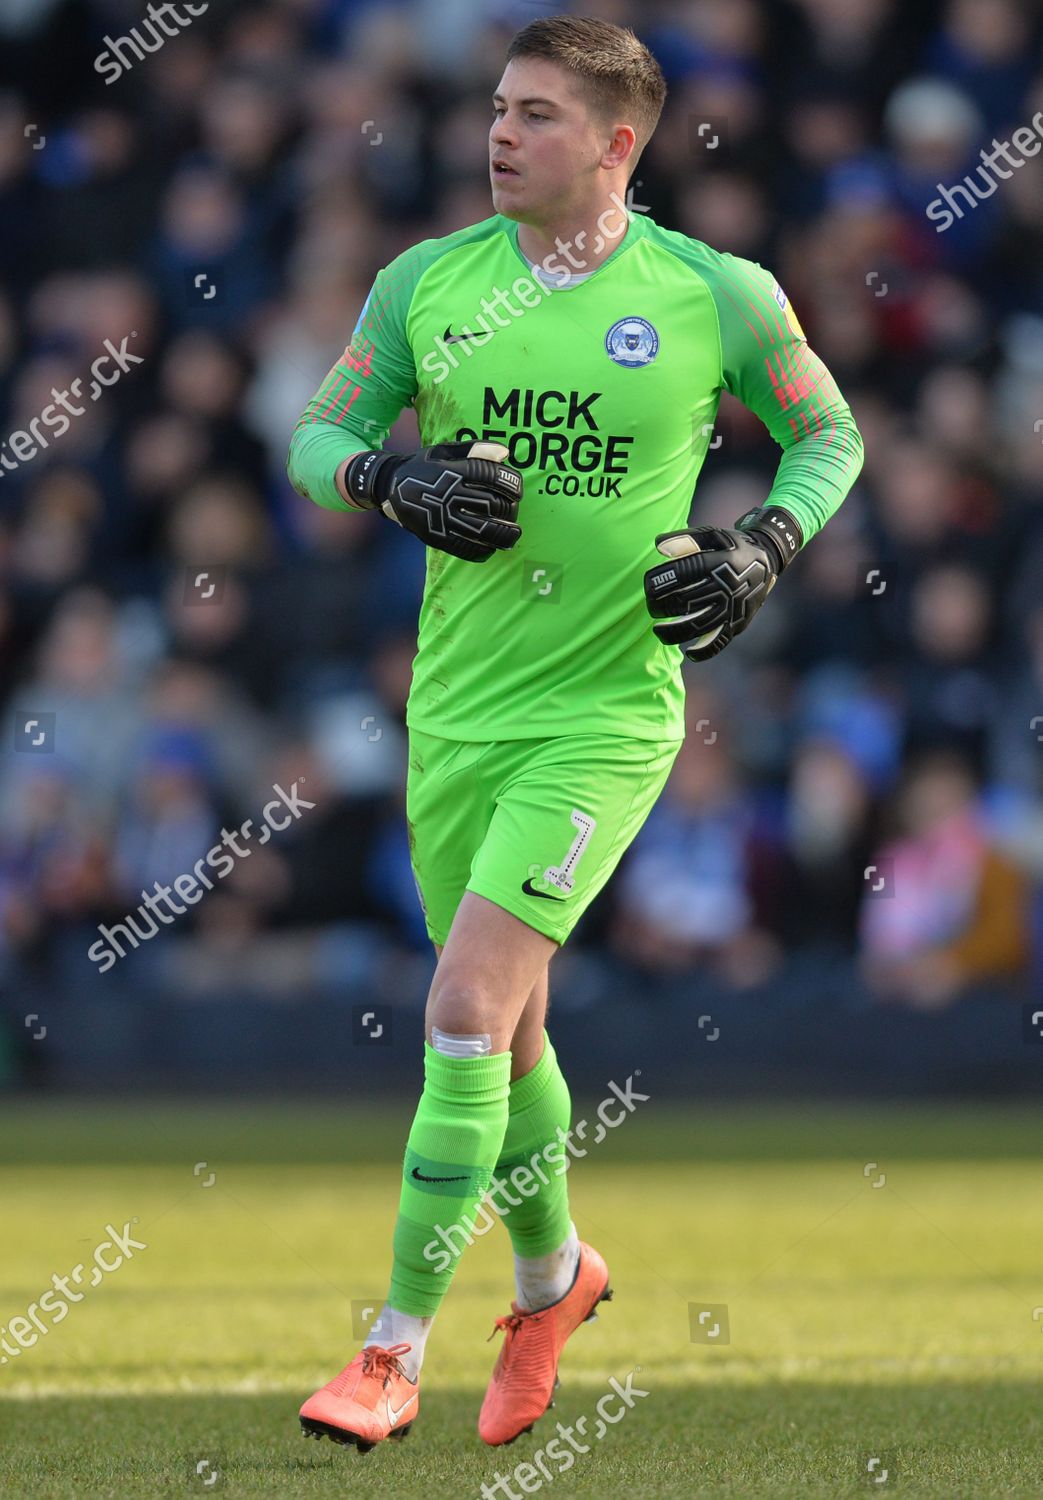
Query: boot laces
x,y
384,1363
509,1325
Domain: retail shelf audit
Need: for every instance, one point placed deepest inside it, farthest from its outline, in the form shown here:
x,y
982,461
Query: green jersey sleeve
x,y
768,366
364,392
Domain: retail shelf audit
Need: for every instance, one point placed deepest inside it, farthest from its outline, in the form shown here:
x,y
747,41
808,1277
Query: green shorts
x,y
536,825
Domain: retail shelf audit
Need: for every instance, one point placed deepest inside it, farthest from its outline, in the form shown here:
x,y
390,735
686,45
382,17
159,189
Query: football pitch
x,y
814,1300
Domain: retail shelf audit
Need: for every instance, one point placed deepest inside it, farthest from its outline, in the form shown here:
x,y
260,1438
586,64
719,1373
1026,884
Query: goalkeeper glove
x,y
718,579
459,497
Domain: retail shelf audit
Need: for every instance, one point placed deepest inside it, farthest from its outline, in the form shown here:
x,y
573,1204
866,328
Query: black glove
x,y
718,579
459,497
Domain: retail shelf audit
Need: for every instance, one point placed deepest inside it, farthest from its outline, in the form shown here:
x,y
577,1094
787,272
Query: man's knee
x,y
458,1002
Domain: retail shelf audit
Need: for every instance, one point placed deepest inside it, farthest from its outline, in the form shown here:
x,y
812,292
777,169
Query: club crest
x,y
632,342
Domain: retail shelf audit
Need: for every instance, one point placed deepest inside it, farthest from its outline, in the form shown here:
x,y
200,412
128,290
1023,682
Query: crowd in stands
x,y
861,780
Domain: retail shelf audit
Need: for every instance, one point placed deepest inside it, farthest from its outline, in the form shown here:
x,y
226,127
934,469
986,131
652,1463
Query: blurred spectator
x,y
53,867
950,694
169,817
944,909
828,822
85,678
689,890
984,47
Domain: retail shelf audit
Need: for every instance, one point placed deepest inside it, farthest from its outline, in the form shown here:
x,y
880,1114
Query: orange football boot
x,y
369,1400
526,1372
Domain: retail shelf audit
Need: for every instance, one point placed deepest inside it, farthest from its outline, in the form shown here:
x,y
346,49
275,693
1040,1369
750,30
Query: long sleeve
x,y
768,366
362,395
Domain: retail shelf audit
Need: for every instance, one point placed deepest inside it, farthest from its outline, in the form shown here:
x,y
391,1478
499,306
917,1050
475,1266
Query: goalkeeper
x,y
565,360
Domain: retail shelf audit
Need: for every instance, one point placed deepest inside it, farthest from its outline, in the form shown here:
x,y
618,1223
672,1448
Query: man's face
x,y
543,129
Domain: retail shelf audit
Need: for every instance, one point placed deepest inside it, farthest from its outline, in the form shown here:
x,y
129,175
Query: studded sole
x,y
339,1435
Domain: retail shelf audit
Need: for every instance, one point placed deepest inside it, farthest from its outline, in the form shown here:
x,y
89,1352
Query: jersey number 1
x,y
561,875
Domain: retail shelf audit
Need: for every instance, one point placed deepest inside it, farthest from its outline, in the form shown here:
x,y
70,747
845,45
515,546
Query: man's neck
x,y
581,243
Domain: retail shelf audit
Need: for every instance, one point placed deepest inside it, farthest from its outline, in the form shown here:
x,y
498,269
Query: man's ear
x,y
621,148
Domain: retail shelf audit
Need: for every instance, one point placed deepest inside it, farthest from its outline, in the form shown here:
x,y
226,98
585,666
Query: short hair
x,y
616,73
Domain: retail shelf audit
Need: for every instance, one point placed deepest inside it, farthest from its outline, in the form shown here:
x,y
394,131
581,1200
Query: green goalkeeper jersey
x,y
605,392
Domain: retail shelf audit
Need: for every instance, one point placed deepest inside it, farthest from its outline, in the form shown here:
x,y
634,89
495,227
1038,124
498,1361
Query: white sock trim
x,y
479,1045
394,1327
543,1279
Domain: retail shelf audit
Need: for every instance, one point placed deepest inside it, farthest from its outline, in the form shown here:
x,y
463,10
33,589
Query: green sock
x,y
450,1155
539,1104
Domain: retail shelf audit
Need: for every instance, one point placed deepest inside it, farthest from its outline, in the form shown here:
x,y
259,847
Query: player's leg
x,y
599,791
532,1169
546,1246
539,1110
487,972
459,1126
578,804
484,978
527,1041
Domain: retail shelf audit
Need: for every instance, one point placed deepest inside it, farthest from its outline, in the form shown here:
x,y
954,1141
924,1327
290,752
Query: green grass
x,y
892,1321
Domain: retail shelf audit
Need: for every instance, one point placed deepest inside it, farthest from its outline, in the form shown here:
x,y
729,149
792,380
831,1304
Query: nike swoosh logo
x,y
421,1178
457,338
394,1415
530,890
